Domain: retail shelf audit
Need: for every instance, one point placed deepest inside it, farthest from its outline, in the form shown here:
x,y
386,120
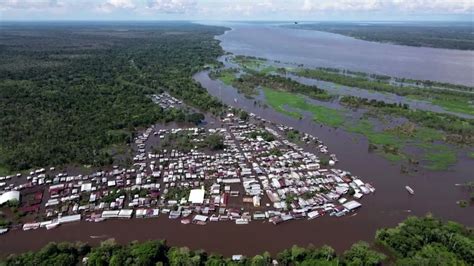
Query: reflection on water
x,y
316,49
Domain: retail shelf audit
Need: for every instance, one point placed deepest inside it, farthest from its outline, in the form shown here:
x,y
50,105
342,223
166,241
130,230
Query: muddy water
x,y
316,49
337,89
435,192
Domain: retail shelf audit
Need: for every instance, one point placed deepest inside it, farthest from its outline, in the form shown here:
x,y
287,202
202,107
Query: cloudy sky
x,y
236,9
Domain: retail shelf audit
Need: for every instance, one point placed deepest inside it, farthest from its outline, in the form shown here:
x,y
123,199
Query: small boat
x,y
101,236
410,190
370,187
235,100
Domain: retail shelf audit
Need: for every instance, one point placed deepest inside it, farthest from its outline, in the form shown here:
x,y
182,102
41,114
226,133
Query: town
x,y
237,170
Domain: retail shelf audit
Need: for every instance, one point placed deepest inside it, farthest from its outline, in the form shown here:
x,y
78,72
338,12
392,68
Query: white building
x,y
9,196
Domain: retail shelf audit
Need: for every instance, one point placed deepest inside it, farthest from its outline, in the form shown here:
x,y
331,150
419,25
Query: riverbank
x,y
398,127
391,244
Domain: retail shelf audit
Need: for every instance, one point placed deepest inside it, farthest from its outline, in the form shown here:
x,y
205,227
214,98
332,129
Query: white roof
x,y
196,196
10,195
70,218
351,205
86,187
126,212
201,218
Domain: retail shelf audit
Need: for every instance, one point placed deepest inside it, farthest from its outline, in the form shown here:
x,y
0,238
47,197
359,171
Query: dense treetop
x,y
69,91
428,34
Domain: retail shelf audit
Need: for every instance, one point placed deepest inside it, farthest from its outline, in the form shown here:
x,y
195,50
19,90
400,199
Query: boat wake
x,y
101,236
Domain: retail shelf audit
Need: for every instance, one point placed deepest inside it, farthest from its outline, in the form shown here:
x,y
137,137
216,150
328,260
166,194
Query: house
x,y
196,196
10,196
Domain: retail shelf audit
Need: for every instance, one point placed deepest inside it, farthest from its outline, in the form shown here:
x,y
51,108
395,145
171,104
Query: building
x,y
196,196
9,196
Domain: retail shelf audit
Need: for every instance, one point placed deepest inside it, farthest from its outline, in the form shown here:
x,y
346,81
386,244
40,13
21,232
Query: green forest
x,y
70,91
415,241
427,34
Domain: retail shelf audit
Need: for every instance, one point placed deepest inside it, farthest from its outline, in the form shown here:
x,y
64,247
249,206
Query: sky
x,y
301,10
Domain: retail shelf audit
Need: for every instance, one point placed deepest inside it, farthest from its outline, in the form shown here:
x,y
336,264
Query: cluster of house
x,y
259,175
166,101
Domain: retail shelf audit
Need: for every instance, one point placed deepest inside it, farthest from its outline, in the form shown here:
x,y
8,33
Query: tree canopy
x,y
68,92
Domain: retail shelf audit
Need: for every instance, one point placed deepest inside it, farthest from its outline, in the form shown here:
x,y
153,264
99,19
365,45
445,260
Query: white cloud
x,y
172,6
28,4
121,3
341,5
111,5
236,9
445,6
421,6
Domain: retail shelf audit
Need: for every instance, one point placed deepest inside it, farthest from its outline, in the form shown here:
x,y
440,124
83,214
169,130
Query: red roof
x,y
32,208
39,195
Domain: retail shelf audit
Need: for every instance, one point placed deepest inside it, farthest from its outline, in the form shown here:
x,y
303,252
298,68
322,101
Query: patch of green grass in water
x,y
394,157
455,105
388,142
258,65
452,104
227,78
268,69
439,158
279,99
426,135
250,63
365,128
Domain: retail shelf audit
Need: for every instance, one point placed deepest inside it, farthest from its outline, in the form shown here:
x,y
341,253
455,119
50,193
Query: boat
x,y
410,190
235,100
370,187
95,237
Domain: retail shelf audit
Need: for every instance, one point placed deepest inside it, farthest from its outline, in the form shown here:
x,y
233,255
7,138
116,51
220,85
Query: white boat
x,y
410,190
370,187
